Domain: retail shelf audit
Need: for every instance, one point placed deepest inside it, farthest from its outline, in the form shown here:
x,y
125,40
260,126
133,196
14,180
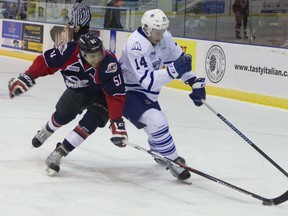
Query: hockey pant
x,y
240,17
72,103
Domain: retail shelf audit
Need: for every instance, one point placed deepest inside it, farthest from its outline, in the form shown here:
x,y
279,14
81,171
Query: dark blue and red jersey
x,y
78,75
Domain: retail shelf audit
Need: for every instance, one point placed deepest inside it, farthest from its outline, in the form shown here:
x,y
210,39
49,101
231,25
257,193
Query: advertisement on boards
x,y
12,34
22,36
33,37
260,70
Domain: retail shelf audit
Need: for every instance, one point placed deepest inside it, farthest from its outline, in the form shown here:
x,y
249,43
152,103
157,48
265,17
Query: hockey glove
x,y
198,90
119,133
20,85
180,66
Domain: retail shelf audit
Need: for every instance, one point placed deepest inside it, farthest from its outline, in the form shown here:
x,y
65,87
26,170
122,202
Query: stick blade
x,y
277,200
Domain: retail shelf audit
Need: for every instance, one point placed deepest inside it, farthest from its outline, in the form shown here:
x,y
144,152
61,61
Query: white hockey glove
x,y
180,66
20,85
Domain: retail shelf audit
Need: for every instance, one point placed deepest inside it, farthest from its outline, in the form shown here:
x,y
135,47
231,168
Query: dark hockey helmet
x,y
90,43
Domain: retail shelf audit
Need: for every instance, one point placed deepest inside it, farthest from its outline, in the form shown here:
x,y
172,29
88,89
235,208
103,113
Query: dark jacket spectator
x,y
12,10
112,17
241,11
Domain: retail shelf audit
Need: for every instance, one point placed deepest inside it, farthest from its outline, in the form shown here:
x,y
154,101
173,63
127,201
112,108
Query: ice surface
x,y
101,179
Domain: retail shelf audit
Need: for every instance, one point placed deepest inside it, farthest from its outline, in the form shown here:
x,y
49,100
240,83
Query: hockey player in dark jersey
x,y
94,83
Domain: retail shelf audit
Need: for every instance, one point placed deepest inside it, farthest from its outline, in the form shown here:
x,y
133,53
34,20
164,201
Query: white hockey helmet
x,y
154,19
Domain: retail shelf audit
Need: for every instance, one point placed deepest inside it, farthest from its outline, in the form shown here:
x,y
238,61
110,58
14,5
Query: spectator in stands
x,y
37,15
64,19
241,11
112,17
10,10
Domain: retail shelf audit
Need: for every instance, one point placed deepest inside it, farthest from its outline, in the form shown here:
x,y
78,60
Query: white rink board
x,y
261,75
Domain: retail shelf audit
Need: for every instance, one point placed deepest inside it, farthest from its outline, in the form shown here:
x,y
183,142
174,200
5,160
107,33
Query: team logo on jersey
x,y
62,47
73,68
136,46
215,64
111,68
156,64
152,54
74,82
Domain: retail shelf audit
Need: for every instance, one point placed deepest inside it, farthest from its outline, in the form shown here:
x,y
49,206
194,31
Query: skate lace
x,y
54,158
176,170
43,135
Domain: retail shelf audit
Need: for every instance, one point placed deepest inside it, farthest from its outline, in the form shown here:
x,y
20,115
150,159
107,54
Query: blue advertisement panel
x,y
12,34
212,7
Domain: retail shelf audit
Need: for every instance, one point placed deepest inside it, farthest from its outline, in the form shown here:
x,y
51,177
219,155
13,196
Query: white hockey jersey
x,y
142,63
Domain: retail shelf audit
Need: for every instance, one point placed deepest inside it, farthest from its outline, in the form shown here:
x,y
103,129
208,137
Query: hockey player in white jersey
x,y
147,50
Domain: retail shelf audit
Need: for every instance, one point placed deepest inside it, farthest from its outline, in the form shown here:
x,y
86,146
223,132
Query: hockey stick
x,y
265,201
244,137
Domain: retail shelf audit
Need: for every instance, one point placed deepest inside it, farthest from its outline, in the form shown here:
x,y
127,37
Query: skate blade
x,y
186,181
50,172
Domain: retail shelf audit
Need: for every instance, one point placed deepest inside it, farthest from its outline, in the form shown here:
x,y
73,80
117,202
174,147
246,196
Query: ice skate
x,y
246,35
41,136
161,162
157,160
238,36
180,173
53,161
